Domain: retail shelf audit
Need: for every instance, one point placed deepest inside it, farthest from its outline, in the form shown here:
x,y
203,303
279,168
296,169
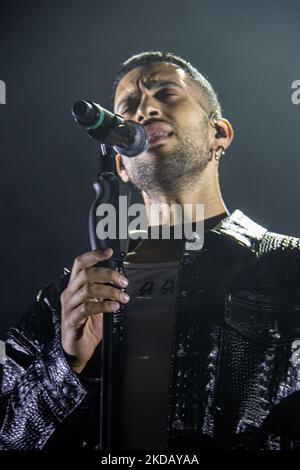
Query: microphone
x,y
126,137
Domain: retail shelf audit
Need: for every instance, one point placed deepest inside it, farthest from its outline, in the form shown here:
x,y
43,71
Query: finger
x,y
89,259
98,291
89,308
105,275
94,275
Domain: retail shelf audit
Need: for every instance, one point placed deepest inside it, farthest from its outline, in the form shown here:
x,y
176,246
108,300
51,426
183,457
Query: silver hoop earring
x,y
219,153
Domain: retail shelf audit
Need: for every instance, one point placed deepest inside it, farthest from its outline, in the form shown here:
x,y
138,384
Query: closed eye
x,y
129,108
161,94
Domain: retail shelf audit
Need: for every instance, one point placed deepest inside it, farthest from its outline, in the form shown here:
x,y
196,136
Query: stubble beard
x,y
171,171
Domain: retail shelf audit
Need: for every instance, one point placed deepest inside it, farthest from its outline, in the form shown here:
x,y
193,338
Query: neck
x,y
204,191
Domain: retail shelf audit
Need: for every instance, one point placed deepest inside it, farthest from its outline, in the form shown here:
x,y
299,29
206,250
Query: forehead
x,y
159,72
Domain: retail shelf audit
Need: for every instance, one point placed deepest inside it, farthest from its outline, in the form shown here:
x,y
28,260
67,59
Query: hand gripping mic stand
x,y
130,139
108,189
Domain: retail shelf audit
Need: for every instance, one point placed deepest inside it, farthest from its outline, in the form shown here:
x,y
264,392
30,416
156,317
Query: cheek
x,y
187,114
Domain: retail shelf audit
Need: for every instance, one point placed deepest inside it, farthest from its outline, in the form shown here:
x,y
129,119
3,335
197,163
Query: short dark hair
x,y
209,95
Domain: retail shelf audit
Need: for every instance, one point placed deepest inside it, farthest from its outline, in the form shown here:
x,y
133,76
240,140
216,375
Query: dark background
x,y
55,52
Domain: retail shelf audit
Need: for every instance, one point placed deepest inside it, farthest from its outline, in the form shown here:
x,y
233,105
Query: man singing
x,y
211,333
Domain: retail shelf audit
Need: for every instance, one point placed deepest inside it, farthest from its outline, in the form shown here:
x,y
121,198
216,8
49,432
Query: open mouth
x,y
159,137
158,131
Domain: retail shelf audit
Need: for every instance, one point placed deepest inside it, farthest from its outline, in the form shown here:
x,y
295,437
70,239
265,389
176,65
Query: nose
x,y
148,108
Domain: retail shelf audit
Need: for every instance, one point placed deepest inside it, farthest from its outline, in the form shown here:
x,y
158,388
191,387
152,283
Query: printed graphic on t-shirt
x,y
148,332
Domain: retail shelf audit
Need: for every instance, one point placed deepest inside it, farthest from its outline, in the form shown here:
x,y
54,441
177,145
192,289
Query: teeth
x,y
158,134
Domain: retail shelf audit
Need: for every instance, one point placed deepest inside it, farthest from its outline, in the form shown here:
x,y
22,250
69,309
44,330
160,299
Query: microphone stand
x,y
108,189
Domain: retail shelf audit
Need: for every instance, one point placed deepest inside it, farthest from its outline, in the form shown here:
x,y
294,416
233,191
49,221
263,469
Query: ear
x,y
224,129
120,168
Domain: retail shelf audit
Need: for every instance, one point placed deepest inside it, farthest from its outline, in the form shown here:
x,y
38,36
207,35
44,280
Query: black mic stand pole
x,y
108,188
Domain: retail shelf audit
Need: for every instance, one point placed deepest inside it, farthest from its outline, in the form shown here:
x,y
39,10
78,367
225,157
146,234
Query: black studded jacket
x,y
235,362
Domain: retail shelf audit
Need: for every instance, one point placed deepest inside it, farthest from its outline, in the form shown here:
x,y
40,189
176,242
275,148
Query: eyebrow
x,y
150,85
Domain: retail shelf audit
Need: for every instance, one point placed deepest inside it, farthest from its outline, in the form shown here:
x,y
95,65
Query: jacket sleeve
x,y
39,390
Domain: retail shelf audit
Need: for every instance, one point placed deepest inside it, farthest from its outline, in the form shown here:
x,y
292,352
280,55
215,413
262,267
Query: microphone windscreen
x,y
84,112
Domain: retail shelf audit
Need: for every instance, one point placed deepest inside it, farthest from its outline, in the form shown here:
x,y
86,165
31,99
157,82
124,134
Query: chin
x,y
160,149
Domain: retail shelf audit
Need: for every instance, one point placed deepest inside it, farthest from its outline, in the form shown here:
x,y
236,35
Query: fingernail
x,y
123,281
124,297
115,306
107,251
